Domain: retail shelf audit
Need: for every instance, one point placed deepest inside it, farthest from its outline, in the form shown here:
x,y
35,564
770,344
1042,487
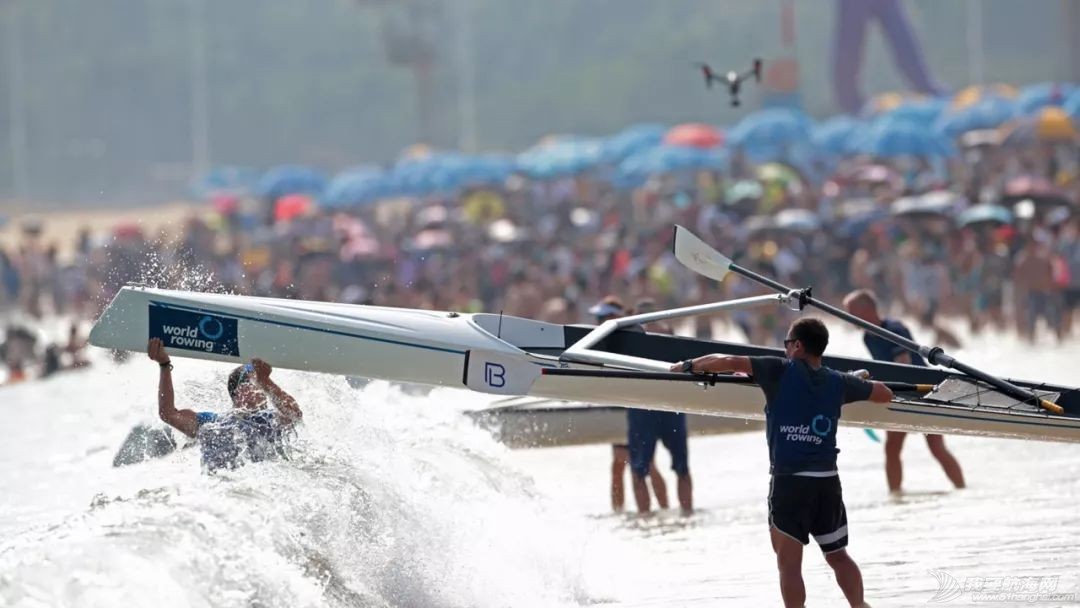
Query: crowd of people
x,y
549,249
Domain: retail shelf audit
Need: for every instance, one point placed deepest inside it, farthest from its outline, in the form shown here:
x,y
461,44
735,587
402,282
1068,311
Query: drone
x,y
732,79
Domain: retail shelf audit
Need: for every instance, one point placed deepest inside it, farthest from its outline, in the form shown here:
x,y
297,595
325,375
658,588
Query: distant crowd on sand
x,y
549,249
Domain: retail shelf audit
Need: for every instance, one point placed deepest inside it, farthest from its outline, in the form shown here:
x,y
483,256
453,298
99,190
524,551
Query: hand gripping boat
x,y
505,355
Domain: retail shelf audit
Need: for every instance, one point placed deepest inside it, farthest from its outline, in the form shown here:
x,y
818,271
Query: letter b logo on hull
x,y
494,374
499,372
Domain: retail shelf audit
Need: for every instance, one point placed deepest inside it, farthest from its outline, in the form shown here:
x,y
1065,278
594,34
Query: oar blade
x,y
696,255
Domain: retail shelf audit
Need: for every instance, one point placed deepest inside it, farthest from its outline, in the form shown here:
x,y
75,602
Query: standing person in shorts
x,y
612,308
803,399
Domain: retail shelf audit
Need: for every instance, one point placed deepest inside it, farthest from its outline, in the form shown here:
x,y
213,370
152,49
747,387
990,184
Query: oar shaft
x,y
934,355
902,387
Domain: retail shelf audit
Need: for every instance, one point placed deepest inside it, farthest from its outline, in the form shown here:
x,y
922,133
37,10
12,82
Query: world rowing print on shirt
x,y
194,330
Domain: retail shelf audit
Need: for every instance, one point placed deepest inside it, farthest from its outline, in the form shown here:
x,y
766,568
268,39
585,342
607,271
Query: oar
x,y
898,387
696,255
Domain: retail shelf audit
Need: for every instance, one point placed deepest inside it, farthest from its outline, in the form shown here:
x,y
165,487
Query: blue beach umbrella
x,y
1038,96
290,179
770,128
987,113
899,138
835,136
632,140
560,158
359,186
670,159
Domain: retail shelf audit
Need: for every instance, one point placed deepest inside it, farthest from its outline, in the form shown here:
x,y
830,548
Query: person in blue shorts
x,y
644,428
252,430
803,399
863,304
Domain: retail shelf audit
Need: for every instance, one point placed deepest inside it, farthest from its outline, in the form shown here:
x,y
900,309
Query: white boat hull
x,y
431,348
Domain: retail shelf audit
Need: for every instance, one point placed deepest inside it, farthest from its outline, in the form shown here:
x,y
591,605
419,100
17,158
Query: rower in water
x,y
251,431
803,399
863,304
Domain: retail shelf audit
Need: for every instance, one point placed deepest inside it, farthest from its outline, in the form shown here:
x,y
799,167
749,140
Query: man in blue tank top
x,y
251,431
863,304
803,399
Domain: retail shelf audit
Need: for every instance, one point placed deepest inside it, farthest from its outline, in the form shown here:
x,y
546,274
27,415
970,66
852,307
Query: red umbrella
x,y
694,135
291,206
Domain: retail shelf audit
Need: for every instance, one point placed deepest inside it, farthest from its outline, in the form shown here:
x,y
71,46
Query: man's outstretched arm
x,y
715,364
185,421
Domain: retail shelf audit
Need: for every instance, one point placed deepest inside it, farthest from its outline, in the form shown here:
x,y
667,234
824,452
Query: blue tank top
x,y
226,440
801,420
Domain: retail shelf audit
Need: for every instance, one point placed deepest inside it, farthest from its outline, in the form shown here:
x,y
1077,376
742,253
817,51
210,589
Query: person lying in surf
x,y
252,430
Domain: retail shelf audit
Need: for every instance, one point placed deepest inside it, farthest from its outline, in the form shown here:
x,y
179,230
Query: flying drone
x,y
732,79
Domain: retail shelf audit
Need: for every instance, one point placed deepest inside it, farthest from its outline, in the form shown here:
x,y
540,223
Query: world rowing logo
x,y
206,323
821,425
194,331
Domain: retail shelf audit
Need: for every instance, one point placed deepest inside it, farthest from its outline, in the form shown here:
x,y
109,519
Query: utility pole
x,y
200,115
466,81
17,138
976,56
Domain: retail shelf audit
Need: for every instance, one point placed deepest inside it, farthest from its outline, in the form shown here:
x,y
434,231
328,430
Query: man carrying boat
x,y
803,399
251,431
863,304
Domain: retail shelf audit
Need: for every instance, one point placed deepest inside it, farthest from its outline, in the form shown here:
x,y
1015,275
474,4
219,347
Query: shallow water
x,y
397,500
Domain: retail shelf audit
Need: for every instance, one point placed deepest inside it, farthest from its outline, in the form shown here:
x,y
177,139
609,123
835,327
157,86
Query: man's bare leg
x,y
848,576
948,462
659,486
641,493
686,494
894,469
789,563
620,457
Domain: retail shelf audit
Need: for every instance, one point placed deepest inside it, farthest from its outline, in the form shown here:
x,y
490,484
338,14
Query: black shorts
x,y
801,507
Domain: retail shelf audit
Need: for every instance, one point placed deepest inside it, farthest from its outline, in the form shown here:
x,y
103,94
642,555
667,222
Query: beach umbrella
x,y
291,206
835,135
290,179
1039,190
923,111
779,174
884,102
354,187
771,128
1039,96
670,159
744,191
918,207
560,157
694,135
1072,105
902,138
874,175
797,220
984,214
988,113
632,140
1048,125
981,138
972,95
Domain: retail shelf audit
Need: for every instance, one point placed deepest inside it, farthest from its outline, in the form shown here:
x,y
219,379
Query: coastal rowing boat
x,y
605,365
